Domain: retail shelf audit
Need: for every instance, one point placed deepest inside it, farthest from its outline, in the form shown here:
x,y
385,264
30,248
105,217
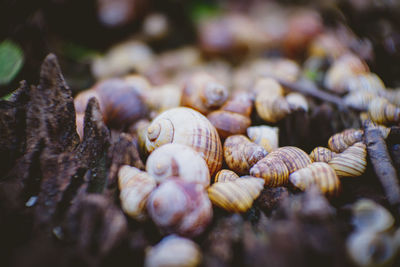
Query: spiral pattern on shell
x,y
265,136
352,162
237,195
273,170
173,251
382,111
225,176
318,174
181,207
340,141
228,123
241,154
135,187
322,154
178,160
271,108
293,157
188,127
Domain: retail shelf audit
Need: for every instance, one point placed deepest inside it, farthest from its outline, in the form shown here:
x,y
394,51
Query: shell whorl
x,y
322,154
352,162
382,111
340,141
214,94
265,136
225,176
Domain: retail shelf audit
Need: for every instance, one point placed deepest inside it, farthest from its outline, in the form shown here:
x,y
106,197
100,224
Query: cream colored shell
x,y
265,136
225,175
321,154
340,141
352,162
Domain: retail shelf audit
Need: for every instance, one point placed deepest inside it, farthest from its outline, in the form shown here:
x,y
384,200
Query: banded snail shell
x,y
225,175
181,207
203,93
273,170
359,99
173,251
319,174
269,86
366,82
188,127
293,157
322,154
241,154
228,123
340,141
135,187
265,136
297,101
352,162
240,103
178,160
271,108
382,111
237,195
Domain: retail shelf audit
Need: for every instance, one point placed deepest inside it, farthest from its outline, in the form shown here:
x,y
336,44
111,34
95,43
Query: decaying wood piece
x,y
382,163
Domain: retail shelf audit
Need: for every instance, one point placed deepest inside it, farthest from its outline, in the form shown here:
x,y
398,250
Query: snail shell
x,y
178,160
293,157
181,207
240,103
188,127
322,154
268,85
370,216
352,162
81,100
203,93
163,98
278,68
319,174
365,82
271,108
240,153
237,195
368,248
225,176
273,170
265,136
135,187
382,111
359,99
297,101
340,141
228,123
173,251
140,130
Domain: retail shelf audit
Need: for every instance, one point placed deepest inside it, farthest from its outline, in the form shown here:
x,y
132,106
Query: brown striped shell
x,y
241,154
318,174
228,123
203,93
188,127
293,157
237,195
140,130
265,136
178,160
173,251
225,175
181,207
352,162
273,170
321,154
271,108
135,187
382,111
340,141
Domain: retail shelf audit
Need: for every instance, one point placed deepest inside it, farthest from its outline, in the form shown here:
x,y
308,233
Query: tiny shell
x,y
173,251
340,141
370,216
273,170
322,154
265,136
366,82
293,157
135,187
268,85
181,207
319,174
178,160
382,111
228,123
225,176
163,98
297,101
359,99
237,195
241,154
271,108
352,162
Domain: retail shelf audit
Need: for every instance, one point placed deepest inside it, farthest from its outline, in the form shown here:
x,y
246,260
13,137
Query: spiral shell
x,y
188,127
297,101
271,108
163,98
268,85
265,136
382,111
140,130
273,170
225,176
178,160
203,93
237,195
181,207
135,187
228,123
352,162
322,154
365,82
240,153
240,103
340,141
173,251
319,174
359,99
370,216
293,157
